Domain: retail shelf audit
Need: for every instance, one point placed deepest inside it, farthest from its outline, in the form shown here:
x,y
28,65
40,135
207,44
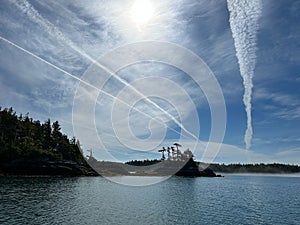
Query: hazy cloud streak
x,y
86,83
244,15
28,9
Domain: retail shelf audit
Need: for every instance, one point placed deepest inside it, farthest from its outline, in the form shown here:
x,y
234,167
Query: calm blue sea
x,y
233,199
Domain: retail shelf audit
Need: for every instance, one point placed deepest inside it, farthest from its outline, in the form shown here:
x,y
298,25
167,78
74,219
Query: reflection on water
x,y
95,200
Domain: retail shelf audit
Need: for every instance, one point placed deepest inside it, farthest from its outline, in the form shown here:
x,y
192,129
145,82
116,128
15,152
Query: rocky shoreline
x,y
25,167
65,168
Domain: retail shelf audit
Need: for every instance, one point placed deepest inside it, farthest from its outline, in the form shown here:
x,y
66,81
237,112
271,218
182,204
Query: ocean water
x,y
94,200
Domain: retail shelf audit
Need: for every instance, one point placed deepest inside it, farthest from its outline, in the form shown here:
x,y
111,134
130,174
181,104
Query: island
x,y
176,164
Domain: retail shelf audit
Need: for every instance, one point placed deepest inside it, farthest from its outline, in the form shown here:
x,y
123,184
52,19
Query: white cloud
x,y
290,156
280,105
278,98
233,154
243,20
288,114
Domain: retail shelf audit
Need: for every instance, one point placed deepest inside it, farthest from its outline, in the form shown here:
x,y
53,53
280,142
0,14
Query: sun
x,y
141,12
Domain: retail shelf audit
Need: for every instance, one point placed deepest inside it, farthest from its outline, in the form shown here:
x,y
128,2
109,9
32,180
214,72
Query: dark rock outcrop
x,y
191,169
26,167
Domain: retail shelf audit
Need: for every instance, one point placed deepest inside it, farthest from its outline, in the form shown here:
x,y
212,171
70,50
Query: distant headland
x,y
31,148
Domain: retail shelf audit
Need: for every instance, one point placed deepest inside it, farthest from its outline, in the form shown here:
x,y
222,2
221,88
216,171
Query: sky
x,y
127,77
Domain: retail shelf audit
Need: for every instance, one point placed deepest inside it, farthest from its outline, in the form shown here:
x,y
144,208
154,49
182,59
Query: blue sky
x,y
72,35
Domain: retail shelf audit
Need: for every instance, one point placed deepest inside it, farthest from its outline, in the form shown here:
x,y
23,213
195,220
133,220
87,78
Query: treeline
x,y
21,137
254,168
146,162
232,168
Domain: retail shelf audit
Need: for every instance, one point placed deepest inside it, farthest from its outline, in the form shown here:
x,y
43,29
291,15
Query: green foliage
x,y
255,168
23,138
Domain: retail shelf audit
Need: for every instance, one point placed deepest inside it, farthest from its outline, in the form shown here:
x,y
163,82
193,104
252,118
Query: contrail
x,y
28,9
244,15
86,83
50,64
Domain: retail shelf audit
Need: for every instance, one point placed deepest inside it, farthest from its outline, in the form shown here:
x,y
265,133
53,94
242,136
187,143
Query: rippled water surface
x,y
95,200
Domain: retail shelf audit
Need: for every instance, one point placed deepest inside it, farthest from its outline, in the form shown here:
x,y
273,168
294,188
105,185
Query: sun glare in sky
x,y
141,12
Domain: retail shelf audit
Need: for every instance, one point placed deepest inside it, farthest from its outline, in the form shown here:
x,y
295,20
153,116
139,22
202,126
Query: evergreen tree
x,y
47,134
56,136
21,137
